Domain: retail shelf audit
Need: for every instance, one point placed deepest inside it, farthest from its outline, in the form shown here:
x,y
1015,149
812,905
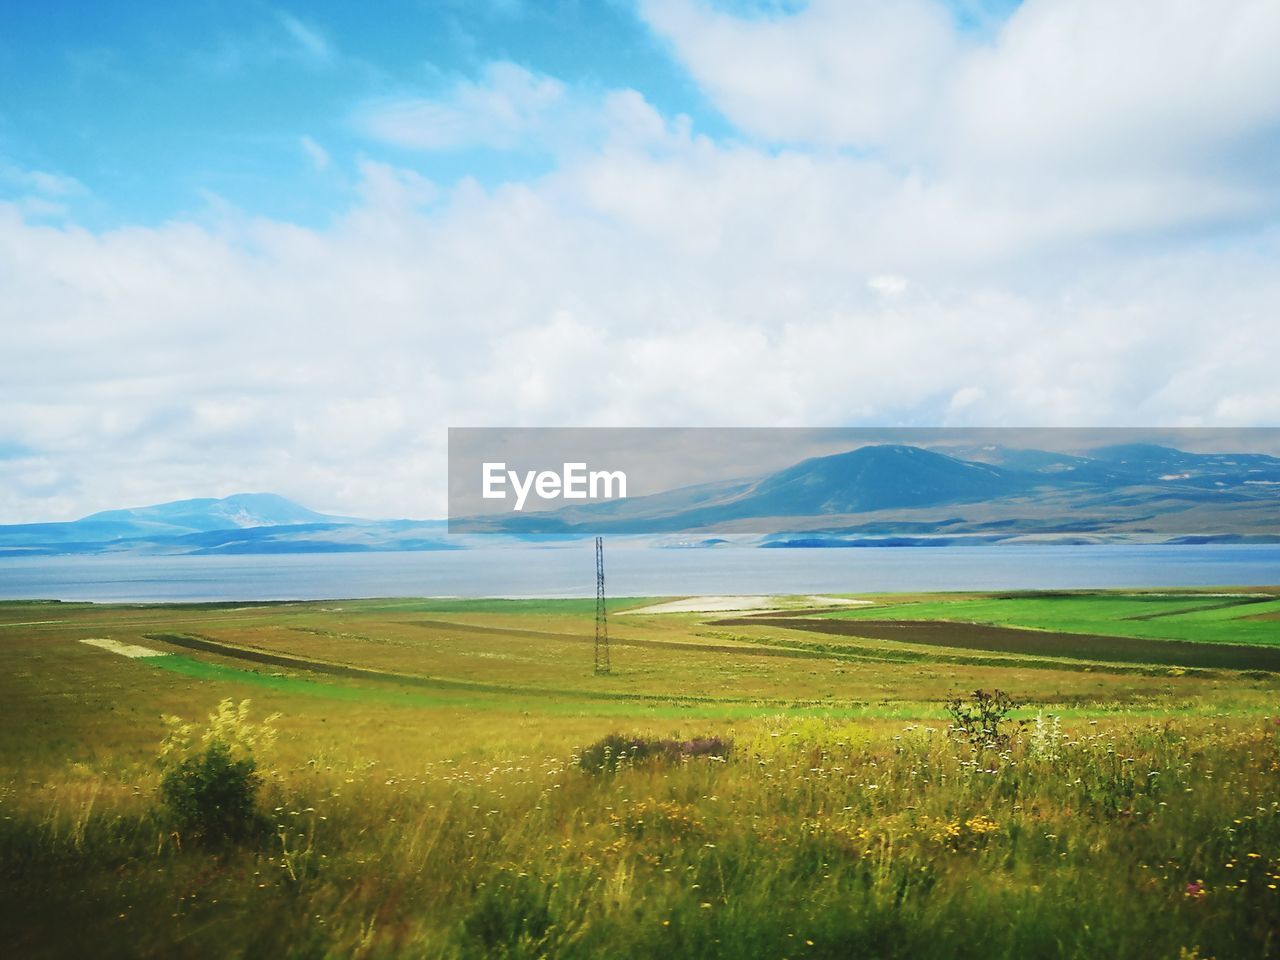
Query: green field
x,y
424,797
1240,617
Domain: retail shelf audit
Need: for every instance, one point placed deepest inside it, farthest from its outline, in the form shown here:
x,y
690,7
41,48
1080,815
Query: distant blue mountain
x,y
1155,463
897,494
872,496
243,523
881,477
364,536
1049,466
191,516
170,519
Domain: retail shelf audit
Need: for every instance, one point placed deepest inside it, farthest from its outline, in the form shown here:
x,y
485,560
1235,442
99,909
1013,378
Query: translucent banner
x,y
869,487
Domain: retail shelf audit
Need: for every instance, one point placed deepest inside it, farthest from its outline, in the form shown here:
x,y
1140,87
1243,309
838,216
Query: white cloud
x,y
837,72
1056,82
145,364
316,154
308,42
42,182
888,284
1096,114
1120,85
279,38
511,108
39,194
498,110
384,187
1091,272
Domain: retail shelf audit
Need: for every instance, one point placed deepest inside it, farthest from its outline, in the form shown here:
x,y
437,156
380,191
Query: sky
x,y
271,247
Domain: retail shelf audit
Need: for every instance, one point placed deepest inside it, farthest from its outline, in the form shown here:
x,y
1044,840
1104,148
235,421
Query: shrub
x,y
606,754
212,795
979,718
210,784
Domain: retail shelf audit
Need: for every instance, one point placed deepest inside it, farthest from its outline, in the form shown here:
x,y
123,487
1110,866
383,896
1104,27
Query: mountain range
x,y
243,523
895,494
878,495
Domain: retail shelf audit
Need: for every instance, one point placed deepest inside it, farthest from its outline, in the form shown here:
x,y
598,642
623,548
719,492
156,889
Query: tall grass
x,y
813,838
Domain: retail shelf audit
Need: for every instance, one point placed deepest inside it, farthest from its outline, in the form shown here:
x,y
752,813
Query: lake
x,y
569,571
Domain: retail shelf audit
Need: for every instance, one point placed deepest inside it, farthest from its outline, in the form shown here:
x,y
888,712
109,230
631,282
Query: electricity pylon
x,y
602,626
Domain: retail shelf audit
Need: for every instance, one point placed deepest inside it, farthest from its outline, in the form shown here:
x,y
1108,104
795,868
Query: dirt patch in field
x,y
1077,646
131,650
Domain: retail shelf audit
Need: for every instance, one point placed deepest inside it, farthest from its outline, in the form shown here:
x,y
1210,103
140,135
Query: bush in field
x,y
606,754
210,783
212,795
979,719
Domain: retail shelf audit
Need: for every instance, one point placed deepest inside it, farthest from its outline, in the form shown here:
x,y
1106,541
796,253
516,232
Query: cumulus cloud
x,y
657,276
1118,84
325,363
1056,82
1135,117
888,284
837,72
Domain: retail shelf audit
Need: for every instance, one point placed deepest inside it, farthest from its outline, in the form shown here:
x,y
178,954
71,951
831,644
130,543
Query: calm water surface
x,y
569,571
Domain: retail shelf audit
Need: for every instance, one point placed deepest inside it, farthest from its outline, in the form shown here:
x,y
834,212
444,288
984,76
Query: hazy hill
x,y
192,516
991,494
871,496
243,523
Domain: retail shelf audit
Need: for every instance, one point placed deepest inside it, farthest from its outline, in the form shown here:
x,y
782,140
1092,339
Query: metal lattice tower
x,y
602,626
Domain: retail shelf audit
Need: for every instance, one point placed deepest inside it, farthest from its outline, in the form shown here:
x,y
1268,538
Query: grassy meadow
x,y
424,793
